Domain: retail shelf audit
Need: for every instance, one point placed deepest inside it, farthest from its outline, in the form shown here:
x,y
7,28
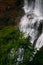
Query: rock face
x,y
10,11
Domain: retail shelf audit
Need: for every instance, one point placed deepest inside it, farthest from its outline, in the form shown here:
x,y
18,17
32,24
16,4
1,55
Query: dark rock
x,y
10,12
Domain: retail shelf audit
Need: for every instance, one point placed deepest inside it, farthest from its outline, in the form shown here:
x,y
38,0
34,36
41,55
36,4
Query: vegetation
x,y
38,59
11,39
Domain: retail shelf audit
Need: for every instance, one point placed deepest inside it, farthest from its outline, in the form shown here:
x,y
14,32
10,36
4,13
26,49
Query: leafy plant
x,y
12,38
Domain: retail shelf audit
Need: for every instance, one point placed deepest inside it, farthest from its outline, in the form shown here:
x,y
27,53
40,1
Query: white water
x,y
39,42
26,7
39,7
30,23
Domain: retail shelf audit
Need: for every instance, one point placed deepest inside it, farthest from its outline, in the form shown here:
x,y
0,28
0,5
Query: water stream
x,y
32,22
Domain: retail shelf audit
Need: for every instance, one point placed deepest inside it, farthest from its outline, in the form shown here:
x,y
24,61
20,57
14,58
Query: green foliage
x,y
38,59
12,38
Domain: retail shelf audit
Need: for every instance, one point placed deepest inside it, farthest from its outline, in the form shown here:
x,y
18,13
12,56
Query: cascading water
x,y
32,22
39,7
27,7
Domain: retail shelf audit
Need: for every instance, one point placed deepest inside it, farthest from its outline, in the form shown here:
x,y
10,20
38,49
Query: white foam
x,y
27,23
39,42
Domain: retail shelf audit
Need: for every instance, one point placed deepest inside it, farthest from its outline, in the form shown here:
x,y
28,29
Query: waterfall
x,y
39,42
39,7
28,6
32,22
